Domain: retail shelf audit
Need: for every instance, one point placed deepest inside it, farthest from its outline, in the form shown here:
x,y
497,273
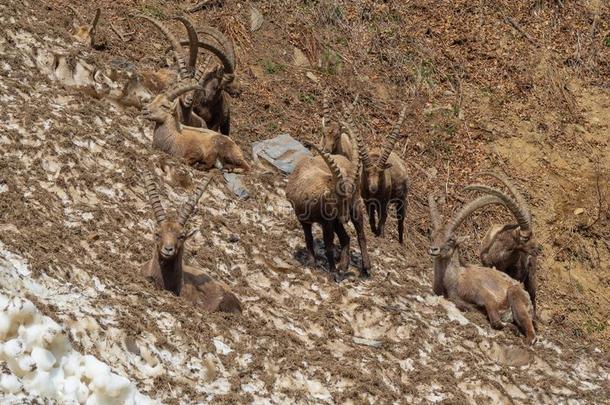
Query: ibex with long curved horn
x,y
210,106
324,190
469,286
85,32
335,138
166,269
511,248
385,181
202,148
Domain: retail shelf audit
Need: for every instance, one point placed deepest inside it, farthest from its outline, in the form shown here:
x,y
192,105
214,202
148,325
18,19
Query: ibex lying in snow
x,y
83,32
384,181
324,190
210,106
202,148
470,286
165,268
334,139
511,248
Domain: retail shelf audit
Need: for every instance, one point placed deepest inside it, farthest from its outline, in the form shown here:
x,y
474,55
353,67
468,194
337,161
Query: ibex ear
x,y
220,72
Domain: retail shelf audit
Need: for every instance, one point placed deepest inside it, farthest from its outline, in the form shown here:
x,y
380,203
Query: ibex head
x,y
331,130
163,105
171,234
84,32
517,205
374,173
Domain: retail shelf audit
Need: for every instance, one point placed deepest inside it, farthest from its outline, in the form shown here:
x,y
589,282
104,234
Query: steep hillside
x,y
525,90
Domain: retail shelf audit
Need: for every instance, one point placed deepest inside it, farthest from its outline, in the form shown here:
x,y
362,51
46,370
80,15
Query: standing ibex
x,y
334,139
511,248
84,32
470,286
203,148
210,106
165,268
384,181
324,190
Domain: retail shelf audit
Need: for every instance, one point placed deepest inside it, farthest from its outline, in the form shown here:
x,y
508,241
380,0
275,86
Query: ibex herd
x,y
346,179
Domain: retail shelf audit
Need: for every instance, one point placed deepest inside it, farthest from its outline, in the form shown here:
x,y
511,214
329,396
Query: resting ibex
x,y
84,32
210,106
202,148
165,268
334,139
324,190
384,182
469,286
511,248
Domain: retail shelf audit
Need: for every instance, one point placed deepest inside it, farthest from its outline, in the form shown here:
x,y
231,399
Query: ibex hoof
x,y
338,277
365,273
531,340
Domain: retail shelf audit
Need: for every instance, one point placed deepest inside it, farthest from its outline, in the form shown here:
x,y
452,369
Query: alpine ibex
x,y
384,182
166,269
469,286
84,32
334,139
511,248
202,148
324,190
211,104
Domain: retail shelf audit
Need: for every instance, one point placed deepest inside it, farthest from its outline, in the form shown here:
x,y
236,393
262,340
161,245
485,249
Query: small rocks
x,y
312,77
299,59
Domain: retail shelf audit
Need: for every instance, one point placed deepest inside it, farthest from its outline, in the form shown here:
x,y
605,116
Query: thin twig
x,y
125,36
516,26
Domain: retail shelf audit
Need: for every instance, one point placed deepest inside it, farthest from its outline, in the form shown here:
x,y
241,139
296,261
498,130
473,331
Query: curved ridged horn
x,y
182,70
332,165
189,206
434,215
193,40
391,140
355,153
468,209
325,111
76,14
173,94
347,112
216,42
523,206
363,151
520,216
153,197
94,22
221,39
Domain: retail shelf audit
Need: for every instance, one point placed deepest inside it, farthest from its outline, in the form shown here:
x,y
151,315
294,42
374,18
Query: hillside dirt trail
x,y
74,211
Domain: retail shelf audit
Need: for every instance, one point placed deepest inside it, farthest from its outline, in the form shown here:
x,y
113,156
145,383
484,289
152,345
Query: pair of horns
x,y
494,196
187,209
347,111
516,204
81,20
388,146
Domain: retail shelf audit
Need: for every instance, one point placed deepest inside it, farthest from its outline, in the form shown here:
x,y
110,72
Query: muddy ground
x,y
520,87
